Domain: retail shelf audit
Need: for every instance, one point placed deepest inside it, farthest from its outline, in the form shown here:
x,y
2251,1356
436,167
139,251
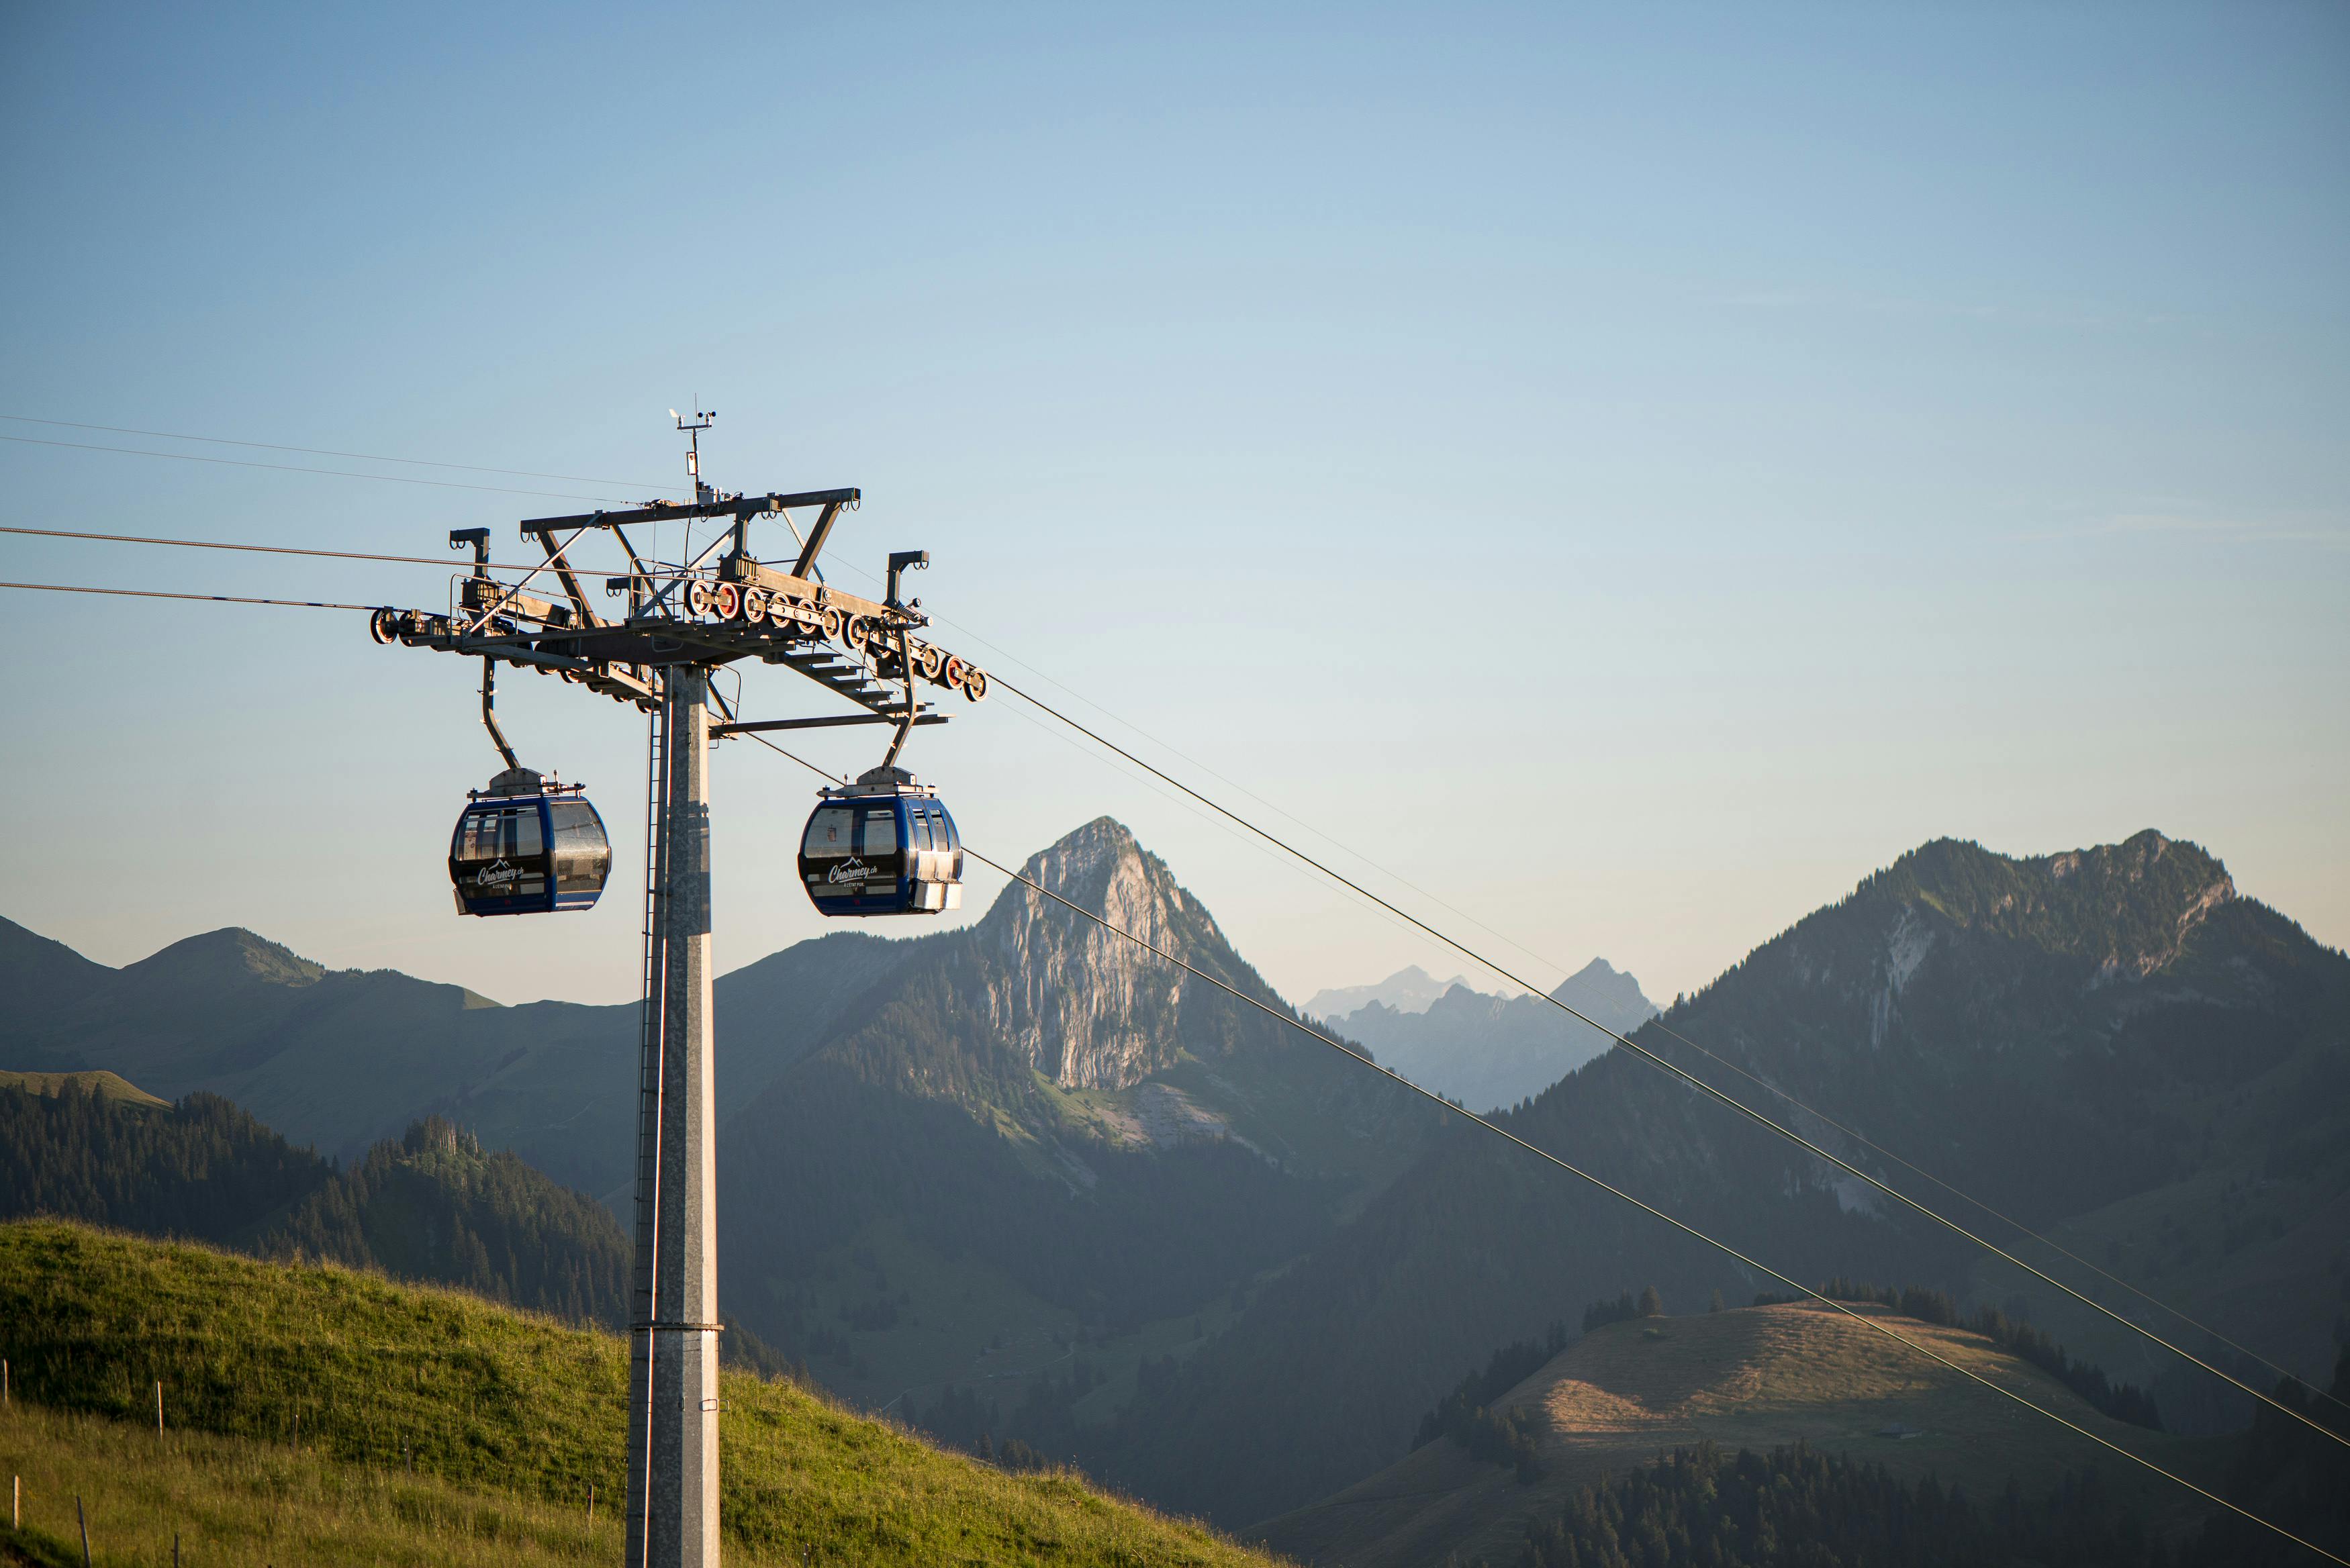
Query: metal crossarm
x,y
722,606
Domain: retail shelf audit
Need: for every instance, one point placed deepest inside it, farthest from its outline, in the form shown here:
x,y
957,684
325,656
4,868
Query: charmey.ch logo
x,y
849,870
496,874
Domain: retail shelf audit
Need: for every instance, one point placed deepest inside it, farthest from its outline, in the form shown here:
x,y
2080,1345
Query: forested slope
x,y
431,1205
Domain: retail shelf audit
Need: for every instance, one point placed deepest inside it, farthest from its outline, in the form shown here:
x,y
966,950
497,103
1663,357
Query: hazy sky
x,y
1631,471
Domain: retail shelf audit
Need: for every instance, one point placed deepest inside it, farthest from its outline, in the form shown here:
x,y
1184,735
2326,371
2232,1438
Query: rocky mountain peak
x,y
1607,995
1088,1008
2128,905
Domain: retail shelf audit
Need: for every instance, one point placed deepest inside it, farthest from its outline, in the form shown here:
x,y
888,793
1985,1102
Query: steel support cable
x,y
209,598
329,452
1865,1319
276,549
1683,1073
458,564
297,468
1500,936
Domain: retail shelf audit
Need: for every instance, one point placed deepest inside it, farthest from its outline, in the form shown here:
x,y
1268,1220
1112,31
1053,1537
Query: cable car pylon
x,y
684,620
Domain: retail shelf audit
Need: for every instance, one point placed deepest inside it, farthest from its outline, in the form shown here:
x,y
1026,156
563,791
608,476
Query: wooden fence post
x,y
591,1505
159,1406
82,1519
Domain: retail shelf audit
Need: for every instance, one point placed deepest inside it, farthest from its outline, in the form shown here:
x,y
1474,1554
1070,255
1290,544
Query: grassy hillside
x,y
1755,1378
109,1086
483,1400
237,1500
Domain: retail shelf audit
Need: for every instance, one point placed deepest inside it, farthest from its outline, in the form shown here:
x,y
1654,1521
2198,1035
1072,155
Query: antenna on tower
x,y
701,421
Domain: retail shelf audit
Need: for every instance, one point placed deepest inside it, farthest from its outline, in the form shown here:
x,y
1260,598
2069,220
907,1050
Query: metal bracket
x,y
489,700
901,561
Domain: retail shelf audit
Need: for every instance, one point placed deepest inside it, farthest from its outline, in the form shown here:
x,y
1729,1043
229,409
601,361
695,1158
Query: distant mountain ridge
x,y
1487,1050
1409,990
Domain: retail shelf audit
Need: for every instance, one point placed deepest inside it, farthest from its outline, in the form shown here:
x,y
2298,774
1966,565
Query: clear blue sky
x,y
1632,470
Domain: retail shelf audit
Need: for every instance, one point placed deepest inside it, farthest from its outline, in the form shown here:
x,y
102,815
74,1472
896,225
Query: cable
x,y
209,598
295,468
329,451
1698,1083
1684,1227
453,563
1272,806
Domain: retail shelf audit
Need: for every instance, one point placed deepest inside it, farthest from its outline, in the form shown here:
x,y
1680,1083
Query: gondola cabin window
x,y
828,834
583,856
501,851
504,835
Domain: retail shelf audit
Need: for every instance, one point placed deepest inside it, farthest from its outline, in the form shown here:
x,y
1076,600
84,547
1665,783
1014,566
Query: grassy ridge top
x,y
104,1084
1759,1378
383,1374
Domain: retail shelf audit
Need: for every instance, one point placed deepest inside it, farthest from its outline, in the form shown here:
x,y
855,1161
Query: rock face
x,y
1083,1006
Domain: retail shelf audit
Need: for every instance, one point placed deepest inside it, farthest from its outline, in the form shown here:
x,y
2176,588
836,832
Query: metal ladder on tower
x,y
649,1071
642,1305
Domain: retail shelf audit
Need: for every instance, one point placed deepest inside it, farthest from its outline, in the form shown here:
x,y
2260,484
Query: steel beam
x,y
733,506
757,724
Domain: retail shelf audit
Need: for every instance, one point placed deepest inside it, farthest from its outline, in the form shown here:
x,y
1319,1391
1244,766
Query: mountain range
x,y
1021,1168
1409,990
1485,1051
